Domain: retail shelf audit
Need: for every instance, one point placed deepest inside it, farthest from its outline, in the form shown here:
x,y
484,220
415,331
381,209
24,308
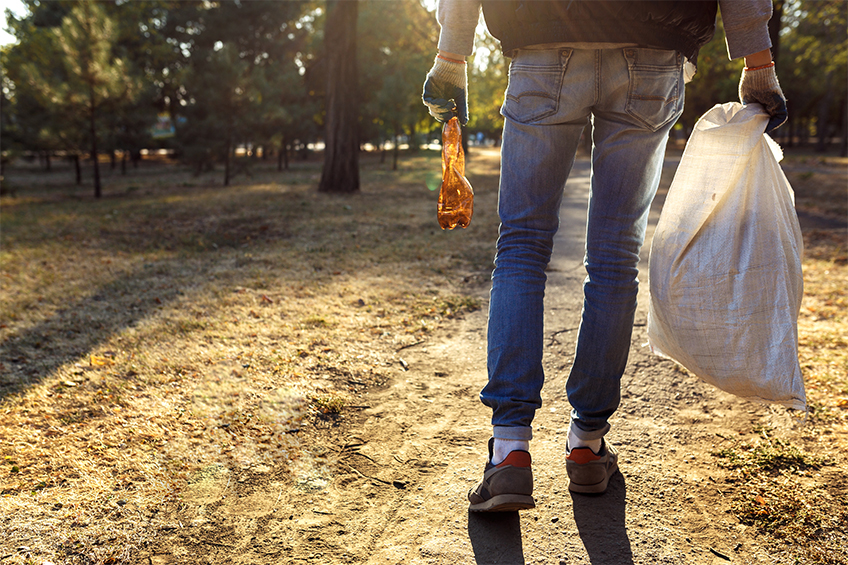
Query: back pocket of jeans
x,y
656,86
535,81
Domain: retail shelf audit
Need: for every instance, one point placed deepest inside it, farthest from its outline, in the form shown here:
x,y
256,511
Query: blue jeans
x,y
633,97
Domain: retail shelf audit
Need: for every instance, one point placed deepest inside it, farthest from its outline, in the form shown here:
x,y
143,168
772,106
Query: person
x,y
621,67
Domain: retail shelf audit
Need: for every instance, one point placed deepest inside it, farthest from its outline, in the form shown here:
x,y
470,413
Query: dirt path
x,y
388,485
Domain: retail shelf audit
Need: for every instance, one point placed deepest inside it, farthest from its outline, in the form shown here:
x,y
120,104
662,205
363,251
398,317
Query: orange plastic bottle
x,y
456,197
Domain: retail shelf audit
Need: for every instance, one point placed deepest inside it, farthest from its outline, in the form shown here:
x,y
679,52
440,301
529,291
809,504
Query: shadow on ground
x,y
495,537
601,522
82,325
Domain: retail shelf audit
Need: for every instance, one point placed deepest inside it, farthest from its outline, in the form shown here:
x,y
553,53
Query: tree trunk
x,y
78,169
113,159
774,27
227,163
413,139
47,166
396,149
93,132
822,125
843,149
124,162
341,155
283,155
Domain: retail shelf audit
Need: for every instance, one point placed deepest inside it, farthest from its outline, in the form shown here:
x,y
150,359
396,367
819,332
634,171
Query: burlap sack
x,y
725,264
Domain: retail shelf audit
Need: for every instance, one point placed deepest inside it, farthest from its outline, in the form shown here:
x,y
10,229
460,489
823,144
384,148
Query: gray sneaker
x,y
590,472
505,487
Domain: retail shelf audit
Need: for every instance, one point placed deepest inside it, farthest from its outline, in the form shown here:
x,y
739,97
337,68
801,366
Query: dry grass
x,y
778,492
820,182
821,189
174,328
823,323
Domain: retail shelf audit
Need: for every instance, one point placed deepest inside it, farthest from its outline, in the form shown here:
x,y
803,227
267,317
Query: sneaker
x,y
590,472
505,487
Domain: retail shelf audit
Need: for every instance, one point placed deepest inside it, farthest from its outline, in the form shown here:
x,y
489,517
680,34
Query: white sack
x,y
725,263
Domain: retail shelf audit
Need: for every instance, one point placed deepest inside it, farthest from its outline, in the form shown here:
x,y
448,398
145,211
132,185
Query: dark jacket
x,y
684,26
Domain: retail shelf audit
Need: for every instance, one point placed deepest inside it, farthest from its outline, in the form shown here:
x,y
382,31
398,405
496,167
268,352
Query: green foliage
x,y
253,74
813,63
393,61
87,80
28,117
812,66
216,119
488,70
64,80
243,84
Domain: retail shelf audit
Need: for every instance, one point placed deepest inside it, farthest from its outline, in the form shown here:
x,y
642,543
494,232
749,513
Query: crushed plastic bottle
x,y
456,197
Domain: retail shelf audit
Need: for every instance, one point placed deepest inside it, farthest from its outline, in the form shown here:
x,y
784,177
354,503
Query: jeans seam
x,y
598,65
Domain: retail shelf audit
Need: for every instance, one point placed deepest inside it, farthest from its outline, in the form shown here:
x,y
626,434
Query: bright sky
x,y
18,8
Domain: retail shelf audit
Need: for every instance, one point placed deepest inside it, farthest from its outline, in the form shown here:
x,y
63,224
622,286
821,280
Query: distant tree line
x,y
92,77
810,48
87,78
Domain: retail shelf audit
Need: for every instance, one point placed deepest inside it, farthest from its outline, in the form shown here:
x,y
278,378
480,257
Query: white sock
x,y
574,441
503,447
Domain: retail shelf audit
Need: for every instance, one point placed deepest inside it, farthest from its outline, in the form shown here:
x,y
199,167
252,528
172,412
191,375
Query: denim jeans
x,y
633,96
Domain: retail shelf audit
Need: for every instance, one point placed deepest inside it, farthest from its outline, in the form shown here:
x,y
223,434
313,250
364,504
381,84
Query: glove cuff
x,y
758,80
451,73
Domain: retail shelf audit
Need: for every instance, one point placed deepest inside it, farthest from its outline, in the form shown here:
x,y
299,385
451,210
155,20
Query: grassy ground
x,y
175,327
821,191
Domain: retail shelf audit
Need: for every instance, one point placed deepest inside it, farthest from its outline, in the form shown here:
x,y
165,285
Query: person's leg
x,y
546,109
533,173
641,99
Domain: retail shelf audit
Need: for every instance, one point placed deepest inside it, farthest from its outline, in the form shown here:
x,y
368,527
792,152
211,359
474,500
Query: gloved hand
x,y
444,90
760,85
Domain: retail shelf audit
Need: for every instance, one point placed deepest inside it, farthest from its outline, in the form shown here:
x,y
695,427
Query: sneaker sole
x,y
504,503
596,488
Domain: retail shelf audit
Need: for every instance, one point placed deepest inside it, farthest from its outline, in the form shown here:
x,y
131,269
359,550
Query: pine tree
x,y
90,78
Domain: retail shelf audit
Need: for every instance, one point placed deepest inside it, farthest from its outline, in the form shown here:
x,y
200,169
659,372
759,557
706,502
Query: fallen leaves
x,y
102,360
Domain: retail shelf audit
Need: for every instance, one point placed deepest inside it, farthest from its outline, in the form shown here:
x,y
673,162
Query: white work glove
x,y
444,90
760,85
